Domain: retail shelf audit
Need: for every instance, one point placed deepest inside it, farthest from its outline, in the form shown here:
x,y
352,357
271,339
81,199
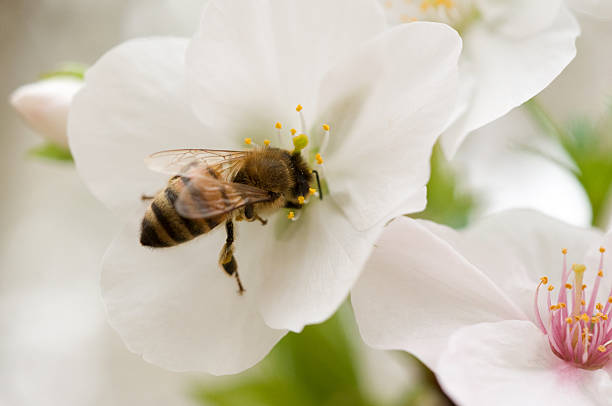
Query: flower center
x,y
301,144
580,333
459,14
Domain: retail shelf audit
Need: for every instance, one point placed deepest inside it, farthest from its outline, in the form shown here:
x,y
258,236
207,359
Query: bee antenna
x,y
318,184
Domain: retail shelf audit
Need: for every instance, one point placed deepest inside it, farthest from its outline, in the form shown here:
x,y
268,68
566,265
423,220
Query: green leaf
x,y
446,203
51,151
71,69
313,368
589,145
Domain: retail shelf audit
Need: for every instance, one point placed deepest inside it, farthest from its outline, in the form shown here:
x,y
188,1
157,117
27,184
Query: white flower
x,y
503,166
600,9
44,105
386,96
512,50
475,307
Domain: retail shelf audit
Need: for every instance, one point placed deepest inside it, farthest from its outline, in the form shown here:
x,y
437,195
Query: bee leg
x,y
144,197
250,215
226,259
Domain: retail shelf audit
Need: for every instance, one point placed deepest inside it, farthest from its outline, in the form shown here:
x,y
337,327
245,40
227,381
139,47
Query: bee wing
x,y
187,162
206,196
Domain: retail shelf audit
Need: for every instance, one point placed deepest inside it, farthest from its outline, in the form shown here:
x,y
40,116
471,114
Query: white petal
x,y
416,290
518,18
502,169
509,71
179,309
517,247
45,104
600,9
308,266
133,104
253,61
591,68
510,363
386,105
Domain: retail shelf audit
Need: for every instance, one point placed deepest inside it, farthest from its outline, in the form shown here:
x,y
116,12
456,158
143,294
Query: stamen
x,y
293,131
291,215
278,127
325,140
300,199
319,159
302,121
267,143
248,141
312,191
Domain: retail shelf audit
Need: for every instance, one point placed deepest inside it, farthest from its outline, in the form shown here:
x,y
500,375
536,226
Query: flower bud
x,y
45,104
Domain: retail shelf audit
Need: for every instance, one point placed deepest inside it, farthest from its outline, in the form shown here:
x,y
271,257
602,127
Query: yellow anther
x,y
562,305
325,127
266,142
595,319
564,251
298,108
568,286
602,249
600,273
553,307
610,299
319,159
291,215
544,280
248,141
578,268
445,3
582,302
312,191
278,125
568,320
599,306
601,348
583,287
584,317
604,316
301,199
293,131
551,287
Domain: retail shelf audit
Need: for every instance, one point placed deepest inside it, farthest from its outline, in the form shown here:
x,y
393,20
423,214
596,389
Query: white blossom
x,y
385,96
480,307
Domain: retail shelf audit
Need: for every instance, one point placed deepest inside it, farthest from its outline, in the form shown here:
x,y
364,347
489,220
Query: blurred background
x,y
552,154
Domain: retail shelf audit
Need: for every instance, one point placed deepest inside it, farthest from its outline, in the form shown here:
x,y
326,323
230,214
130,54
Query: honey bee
x,y
211,187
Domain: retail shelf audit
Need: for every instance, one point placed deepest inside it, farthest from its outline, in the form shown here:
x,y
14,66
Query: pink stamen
x,y
584,336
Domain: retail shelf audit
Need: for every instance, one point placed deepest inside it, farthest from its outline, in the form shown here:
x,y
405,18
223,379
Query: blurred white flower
x,y
510,164
475,307
585,87
599,9
45,104
386,96
512,50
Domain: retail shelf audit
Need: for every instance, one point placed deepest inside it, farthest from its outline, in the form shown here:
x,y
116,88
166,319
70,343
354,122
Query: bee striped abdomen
x,y
163,226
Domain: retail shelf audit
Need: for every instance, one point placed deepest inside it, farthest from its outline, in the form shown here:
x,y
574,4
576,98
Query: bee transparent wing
x,y
188,162
206,196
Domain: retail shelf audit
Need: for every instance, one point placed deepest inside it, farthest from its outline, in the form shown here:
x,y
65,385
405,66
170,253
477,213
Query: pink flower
x,y
463,302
